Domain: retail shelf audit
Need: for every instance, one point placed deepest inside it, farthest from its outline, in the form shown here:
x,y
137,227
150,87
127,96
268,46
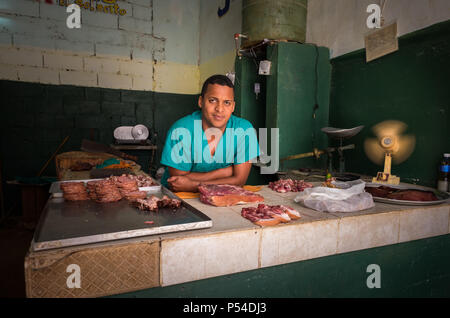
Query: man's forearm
x,y
189,181
233,180
212,175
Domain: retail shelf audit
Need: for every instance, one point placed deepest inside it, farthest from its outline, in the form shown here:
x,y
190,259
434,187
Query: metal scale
x,y
340,134
334,133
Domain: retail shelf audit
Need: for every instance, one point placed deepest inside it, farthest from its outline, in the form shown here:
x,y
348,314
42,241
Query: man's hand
x,y
183,183
189,181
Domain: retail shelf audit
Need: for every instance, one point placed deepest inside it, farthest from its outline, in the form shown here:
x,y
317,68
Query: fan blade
x,y
406,146
389,128
374,151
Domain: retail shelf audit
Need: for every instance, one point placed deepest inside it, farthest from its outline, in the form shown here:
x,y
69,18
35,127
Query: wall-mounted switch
x,y
264,67
257,89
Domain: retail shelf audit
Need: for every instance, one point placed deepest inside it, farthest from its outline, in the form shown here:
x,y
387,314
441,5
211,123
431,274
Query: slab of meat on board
x,y
226,195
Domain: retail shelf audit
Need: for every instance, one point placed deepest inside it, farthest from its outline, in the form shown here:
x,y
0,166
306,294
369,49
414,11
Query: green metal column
x,y
249,105
300,74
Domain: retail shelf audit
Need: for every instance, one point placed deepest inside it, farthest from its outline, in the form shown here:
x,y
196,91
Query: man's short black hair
x,y
216,79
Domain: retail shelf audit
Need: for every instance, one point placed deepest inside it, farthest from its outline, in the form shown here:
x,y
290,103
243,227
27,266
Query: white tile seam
x,y
338,235
448,223
259,246
160,262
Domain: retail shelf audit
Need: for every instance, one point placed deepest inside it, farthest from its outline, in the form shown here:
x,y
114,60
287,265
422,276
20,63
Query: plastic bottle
x,y
444,173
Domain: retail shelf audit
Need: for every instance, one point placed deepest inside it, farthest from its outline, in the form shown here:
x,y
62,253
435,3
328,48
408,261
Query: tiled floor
x,y
15,240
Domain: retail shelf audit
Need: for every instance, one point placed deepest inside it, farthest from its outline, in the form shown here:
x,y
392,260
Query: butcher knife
x,y
92,146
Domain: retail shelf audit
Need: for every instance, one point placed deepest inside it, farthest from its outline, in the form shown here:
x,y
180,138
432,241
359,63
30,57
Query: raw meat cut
x,y
289,185
293,214
226,195
106,191
380,192
91,189
141,180
153,203
268,215
128,187
412,195
134,195
401,194
166,202
111,189
74,191
260,218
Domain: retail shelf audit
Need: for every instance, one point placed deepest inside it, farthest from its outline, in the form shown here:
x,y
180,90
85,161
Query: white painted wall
x,y
341,24
217,49
217,33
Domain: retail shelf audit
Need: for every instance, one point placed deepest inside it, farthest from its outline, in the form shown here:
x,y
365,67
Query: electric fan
x,y
391,146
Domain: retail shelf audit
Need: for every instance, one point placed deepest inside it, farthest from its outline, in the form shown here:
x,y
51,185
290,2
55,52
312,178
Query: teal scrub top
x,y
186,147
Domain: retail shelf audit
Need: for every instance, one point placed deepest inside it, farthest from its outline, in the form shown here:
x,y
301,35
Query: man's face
x,y
217,106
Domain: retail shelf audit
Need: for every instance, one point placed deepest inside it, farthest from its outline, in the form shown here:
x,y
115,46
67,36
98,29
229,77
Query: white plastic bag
x,y
347,197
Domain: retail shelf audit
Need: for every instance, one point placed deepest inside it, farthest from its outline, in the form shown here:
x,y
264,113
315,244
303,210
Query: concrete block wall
x,y
140,67
35,119
121,49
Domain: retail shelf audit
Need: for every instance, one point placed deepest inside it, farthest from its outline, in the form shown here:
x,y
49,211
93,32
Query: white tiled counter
x,y
235,244
232,245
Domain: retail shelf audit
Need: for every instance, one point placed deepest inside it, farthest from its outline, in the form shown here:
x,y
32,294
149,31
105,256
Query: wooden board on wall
x,y
381,42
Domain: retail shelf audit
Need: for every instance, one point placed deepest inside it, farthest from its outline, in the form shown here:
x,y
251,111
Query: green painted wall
x,y
410,85
35,118
413,269
287,100
291,92
248,105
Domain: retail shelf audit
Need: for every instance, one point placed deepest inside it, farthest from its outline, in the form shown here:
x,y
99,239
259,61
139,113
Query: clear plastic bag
x,y
347,197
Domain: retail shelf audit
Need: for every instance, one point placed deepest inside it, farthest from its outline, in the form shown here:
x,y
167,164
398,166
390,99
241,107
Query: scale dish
x,y
341,133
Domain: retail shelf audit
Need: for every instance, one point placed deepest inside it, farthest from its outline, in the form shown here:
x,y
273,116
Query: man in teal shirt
x,y
210,146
